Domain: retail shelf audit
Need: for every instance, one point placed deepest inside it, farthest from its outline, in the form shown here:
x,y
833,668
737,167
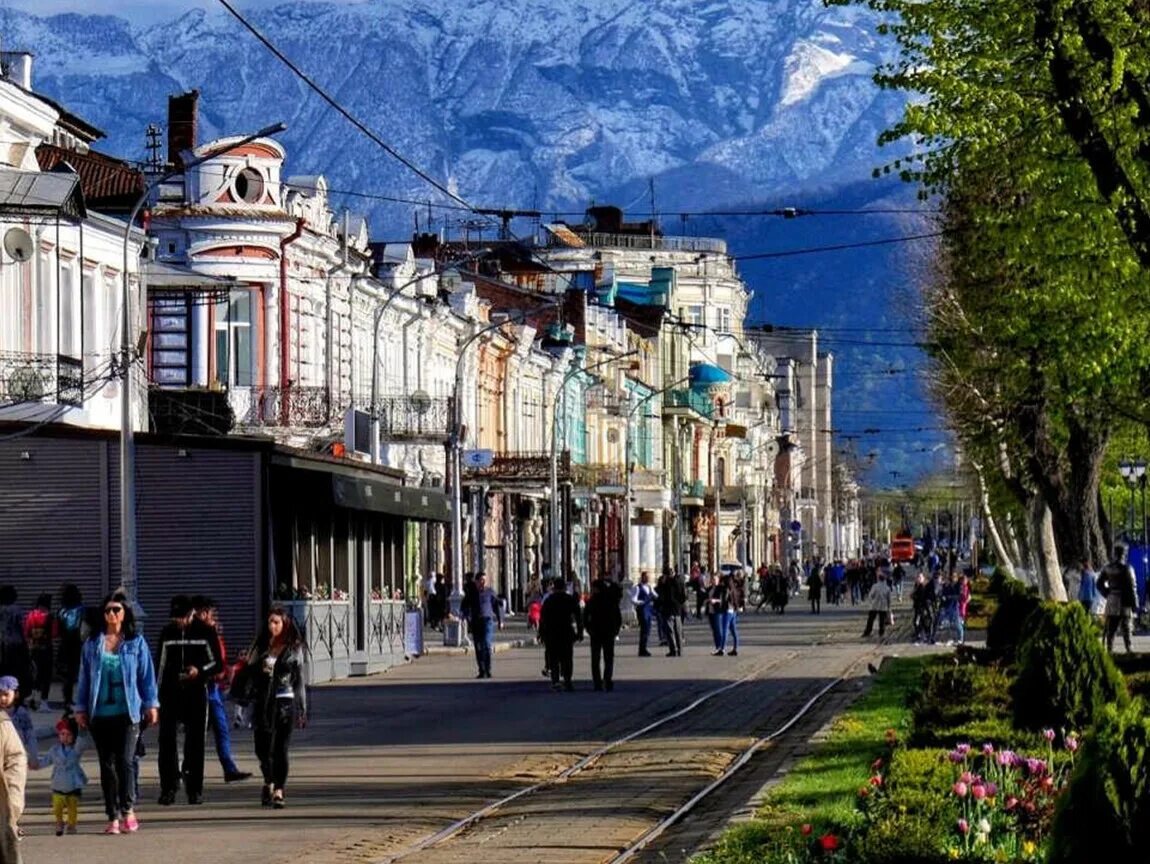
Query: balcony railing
x,y
414,417
522,468
292,406
647,478
611,401
41,378
594,476
604,240
687,398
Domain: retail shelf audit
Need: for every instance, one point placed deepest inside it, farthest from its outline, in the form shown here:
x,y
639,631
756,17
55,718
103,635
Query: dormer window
x,y
249,186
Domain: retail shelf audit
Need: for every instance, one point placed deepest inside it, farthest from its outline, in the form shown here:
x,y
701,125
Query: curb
x,y
497,648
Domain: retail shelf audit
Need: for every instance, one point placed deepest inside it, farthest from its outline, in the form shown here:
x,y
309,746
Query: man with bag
x,y
560,627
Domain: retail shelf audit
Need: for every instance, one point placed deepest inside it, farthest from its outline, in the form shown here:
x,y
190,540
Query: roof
x,y
227,211
164,276
107,183
39,193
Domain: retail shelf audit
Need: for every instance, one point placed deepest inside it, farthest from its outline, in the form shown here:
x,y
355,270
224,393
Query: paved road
x,y
394,757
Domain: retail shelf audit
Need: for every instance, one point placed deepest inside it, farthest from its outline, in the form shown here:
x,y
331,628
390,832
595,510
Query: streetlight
x,y
127,349
627,471
1133,471
456,444
557,570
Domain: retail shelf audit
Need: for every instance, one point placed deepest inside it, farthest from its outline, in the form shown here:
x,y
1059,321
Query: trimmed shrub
x,y
1064,674
919,781
904,838
1105,813
1016,602
963,702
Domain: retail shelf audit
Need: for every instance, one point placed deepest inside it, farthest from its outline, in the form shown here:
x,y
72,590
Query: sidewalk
x,y
515,634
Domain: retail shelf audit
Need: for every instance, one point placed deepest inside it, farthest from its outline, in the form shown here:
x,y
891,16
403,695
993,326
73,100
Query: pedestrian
x,y
560,626
951,608
430,600
70,623
14,659
467,602
716,604
644,610
1088,587
672,607
14,764
206,611
273,683
878,601
603,621
116,690
38,634
13,705
189,659
920,601
1117,584
68,777
484,614
728,624
814,591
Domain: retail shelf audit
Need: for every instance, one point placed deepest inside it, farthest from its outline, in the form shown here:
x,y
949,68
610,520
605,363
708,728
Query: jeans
x,y
728,624
715,618
186,705
675,635
483,632
272,733
602,648
221,728
115,739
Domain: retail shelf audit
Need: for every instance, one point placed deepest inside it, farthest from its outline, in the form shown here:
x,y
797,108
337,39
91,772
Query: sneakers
x,y
236,776
112,827
732,653
266,795
278,800
131,824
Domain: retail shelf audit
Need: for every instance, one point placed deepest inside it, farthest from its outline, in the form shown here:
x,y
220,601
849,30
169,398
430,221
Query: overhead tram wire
x,y
347,115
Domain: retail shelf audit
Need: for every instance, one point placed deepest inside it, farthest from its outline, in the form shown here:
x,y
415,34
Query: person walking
x,y
728,624
272,681
814,590
1088,587
206,612
14,763
484,613
68,777
189,659
644,610
878,601
116,690
70,621
716,603
560,626
14,659
38,634
920,601
1117,584
672,607
602,621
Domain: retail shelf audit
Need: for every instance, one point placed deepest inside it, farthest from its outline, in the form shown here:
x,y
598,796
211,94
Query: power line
x,y
347,115
811,250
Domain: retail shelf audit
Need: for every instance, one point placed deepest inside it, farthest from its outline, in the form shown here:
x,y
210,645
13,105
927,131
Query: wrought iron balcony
x,y
291,406
597,476
522,467
611,401
41,378
192,411
414,417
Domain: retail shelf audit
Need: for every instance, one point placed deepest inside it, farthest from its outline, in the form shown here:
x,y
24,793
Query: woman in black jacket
x,y
275,687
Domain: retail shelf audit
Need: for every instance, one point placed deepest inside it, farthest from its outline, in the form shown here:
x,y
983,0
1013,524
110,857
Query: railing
x,y
527,467
296,406
602,240
406,417
687,398
613,401
192,411
593,476
41,377
695,489
647,478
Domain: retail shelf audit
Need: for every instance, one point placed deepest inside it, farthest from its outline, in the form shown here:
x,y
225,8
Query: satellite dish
x,y
771,448
18,244
420,401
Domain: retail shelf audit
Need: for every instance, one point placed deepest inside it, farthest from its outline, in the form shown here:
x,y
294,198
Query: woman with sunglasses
x,y
115,693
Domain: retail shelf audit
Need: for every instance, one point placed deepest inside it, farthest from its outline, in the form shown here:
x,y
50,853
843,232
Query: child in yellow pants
x,y
68,777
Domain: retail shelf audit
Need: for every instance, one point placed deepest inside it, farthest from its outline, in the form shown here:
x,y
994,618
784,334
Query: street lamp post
x,y
127,350
556,568
456,445
1133,472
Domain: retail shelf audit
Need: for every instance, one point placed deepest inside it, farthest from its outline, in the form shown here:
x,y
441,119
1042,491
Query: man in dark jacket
x,y
189,659
560,626
603,621
1118,585
672,607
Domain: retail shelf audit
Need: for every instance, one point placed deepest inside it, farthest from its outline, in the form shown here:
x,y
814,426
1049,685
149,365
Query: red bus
x,y
901,549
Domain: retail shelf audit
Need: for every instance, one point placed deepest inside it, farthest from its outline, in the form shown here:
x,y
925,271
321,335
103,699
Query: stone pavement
x,y
390,758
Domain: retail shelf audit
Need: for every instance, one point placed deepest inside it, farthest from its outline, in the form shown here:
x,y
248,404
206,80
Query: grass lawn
x,y
823,787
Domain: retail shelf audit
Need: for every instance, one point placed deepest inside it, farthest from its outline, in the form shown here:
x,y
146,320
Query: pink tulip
x,y
960,789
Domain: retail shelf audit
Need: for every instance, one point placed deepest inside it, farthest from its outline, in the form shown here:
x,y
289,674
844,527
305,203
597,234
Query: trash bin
x,y
413,633
453,633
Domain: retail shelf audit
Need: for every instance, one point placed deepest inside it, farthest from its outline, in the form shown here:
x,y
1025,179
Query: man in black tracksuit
x,y
560,626
189,659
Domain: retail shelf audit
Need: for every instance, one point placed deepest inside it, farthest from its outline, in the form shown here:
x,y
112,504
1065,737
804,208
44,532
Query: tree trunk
x,y
1048,571
1085,450
1005,560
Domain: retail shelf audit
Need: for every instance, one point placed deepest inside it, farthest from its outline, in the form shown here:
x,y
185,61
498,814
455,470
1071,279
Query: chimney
x,y
17,67
182,123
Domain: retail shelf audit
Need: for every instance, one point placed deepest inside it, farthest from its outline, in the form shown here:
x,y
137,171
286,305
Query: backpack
x,y
71,620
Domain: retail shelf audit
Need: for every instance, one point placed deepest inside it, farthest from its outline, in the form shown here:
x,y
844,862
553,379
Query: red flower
x,y
807,829
876,780
829,842
864,791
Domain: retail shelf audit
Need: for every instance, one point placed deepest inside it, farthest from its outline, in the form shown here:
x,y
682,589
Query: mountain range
x,y
685,108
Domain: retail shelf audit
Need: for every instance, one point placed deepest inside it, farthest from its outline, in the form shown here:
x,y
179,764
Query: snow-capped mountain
x,y
535,104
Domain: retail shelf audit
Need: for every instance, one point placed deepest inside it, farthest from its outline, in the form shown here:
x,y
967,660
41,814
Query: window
x,y
249,186
235,361
723,319
88,322
45,320
693,315
68,342
171,323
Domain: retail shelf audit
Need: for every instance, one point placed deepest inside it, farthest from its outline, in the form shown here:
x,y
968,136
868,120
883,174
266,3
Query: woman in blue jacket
x,y
115,692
